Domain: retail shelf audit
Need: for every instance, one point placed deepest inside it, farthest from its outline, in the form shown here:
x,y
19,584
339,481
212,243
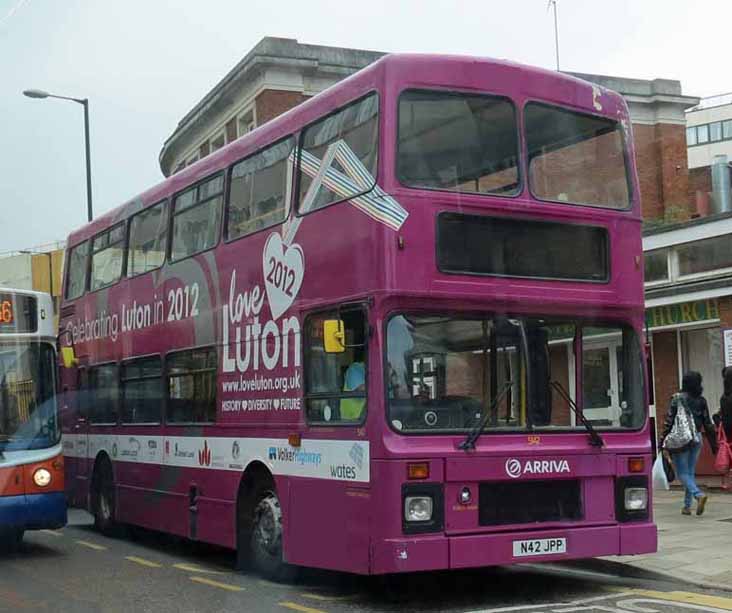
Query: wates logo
x,y
343,472
272,453
204,455
235,450
514,468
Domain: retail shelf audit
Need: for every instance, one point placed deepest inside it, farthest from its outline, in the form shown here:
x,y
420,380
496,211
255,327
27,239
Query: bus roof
x,y
25,292
390,73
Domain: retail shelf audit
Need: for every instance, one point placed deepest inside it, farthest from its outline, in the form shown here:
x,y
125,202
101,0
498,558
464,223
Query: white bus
x,y
31,458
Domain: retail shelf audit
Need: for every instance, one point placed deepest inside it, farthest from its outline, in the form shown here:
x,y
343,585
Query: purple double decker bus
x,y
396,329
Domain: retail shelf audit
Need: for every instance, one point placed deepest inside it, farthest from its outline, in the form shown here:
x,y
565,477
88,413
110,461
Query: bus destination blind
x,y
18,313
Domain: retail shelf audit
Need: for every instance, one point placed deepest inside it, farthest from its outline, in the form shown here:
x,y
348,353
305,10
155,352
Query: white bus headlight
x,y
418,508
636,498
42,477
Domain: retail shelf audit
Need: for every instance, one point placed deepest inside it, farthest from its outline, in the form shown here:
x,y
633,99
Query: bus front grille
x,y
529,502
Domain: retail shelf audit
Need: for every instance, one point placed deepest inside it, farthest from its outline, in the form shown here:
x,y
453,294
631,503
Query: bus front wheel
x,y
266,539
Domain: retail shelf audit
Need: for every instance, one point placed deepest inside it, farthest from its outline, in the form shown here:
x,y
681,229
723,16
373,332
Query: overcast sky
x,y
144,63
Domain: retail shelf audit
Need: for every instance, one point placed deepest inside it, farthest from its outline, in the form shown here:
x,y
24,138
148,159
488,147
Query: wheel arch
x,y
254,477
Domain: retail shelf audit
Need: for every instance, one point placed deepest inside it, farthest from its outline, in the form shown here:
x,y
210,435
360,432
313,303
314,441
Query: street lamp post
x,y
37,93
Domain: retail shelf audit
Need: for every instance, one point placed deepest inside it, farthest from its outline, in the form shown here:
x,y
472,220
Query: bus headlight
x,y
42,477
636,499
418,508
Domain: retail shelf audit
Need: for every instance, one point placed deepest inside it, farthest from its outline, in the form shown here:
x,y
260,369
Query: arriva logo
x,y
514,467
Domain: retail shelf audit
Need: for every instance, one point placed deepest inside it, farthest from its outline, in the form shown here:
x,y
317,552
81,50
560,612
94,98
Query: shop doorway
x,y
701,350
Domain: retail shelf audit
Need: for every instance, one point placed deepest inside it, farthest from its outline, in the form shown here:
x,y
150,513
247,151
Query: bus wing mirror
x,y
68,357
334,336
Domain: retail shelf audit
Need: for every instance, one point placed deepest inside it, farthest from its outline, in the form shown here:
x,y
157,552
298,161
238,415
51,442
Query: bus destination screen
x,y
18,313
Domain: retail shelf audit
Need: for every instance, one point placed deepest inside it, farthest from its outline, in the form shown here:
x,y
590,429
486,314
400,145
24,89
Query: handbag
x,y
668,468
724,454
683,432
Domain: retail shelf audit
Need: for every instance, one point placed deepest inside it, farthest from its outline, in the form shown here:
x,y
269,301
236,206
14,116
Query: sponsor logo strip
x,y
318,459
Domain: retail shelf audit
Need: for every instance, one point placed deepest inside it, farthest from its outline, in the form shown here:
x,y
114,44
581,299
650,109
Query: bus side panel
x,y
216,507
328,525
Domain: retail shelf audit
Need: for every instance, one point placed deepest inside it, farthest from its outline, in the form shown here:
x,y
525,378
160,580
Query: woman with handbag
x,y
723,421
687,418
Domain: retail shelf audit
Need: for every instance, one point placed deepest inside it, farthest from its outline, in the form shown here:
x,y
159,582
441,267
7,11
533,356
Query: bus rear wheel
x,y
103,501
266,539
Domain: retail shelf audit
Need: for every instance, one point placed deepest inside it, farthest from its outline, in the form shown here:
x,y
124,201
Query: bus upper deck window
x,y
76,277
576,157
458,142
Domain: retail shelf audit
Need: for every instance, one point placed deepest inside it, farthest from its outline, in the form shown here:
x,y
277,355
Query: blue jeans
x,y
685,465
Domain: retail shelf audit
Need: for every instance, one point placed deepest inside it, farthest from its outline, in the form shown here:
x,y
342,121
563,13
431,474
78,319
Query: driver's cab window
x,y
335,382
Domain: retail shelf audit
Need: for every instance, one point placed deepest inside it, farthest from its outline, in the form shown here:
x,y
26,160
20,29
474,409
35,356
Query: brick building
x,y
689,275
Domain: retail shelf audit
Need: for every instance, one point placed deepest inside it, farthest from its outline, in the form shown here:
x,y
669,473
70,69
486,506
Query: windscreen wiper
x,y
469,443
595,438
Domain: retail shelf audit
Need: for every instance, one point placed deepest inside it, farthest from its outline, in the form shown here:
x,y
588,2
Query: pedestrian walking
x,y
723,419
686,420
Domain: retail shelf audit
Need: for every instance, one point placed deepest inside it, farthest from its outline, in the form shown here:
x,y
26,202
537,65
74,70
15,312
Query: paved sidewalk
x,y
691,548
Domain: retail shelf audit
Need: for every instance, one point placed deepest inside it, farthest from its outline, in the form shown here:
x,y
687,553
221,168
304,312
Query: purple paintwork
x,y
357,527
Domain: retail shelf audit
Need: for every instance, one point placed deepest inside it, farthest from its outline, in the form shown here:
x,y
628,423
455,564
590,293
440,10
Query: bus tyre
x,y
103,502
266,540
11,540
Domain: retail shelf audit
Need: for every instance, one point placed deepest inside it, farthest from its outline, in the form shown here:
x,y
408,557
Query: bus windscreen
x,y
28,417
445,373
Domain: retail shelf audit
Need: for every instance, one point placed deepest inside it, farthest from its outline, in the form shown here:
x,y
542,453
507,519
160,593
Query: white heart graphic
x,y
276,403
283,267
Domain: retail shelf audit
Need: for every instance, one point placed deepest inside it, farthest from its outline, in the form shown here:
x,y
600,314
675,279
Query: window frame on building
x,y
219,136
702,274
725,132
246,116
702,129
715,131
668,251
